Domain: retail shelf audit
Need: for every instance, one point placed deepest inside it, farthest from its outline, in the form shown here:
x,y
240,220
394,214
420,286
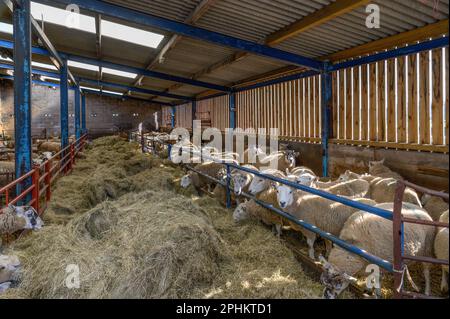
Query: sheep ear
x,y
382,161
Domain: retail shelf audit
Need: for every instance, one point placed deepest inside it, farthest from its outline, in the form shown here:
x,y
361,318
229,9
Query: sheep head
x,y
334,280
8,267
240,213
186,180
258,185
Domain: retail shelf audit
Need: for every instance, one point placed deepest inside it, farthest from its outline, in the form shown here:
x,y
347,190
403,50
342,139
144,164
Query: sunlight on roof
x,y
45,78
88,88
130,34
119,73
80,65
6,28
44,65
62,17
86,23
112,92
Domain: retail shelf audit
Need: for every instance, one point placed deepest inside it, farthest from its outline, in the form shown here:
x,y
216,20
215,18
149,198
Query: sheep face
x,y
186,181
285,195
333,278
33,221
290,157
239,182
374,164
240,213
258,185
307,179
8,266
344,177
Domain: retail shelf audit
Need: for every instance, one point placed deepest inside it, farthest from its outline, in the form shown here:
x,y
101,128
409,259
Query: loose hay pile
x,y
120,219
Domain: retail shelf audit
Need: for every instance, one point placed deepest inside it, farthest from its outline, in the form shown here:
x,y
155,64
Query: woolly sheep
x,y
441,249
383,191
260,184
434,205
15,218
377,168
212,169
349,175
299,170
323,213
373,234
241,180
8,268
252,209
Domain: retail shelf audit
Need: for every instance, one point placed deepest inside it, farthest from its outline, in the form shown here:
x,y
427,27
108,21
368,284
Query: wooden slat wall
x,y
217,109
183,116
293,107
401,101
166,116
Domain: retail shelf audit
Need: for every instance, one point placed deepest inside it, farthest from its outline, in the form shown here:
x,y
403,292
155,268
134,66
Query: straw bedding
x,y
121,218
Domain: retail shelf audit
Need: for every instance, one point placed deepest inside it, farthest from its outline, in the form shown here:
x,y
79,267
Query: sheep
x,y
373,234
279,160
383,191
299,170
49,147
251,209
241,180
323,213
349,175
434,205
7,166
15,218
441,249
260,184
213,169
8,267
377,168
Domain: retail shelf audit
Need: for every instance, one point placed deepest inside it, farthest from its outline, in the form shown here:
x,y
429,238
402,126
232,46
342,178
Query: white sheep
x,y
241,180
251,209
434,205
349,175
8,268
383,191
260,184
377,168
15,218
373,234
213,169
323,213
299,170
441,249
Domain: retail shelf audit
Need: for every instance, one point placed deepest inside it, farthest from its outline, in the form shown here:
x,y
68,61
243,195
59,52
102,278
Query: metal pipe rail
x,y
65,159
354,249
399,234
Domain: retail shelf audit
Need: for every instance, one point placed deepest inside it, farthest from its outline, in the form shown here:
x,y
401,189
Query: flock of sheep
x,y
367,231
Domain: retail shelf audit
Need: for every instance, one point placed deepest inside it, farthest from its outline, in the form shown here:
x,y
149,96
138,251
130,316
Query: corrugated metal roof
x,y
247,19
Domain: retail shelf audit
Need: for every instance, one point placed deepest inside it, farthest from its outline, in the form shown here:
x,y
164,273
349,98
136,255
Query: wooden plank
x,y
373,103
363,86
314,19
422,33
356,103
423,108
294,108
404,146
302,107
382,110
317,106
348,116
412,93
445,59
391,101
308,108
342,101
335,106
437,98
401,101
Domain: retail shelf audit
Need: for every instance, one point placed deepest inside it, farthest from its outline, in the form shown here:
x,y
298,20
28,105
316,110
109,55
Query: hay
x,y
133,235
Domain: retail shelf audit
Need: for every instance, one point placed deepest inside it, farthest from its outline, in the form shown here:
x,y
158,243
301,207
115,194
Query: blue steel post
x,y
327,90
232,106
172,123
228,186
77,112
64,97
83,113
22,93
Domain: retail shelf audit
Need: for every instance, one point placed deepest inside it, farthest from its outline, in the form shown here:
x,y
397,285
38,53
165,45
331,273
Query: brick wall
x,y
99,111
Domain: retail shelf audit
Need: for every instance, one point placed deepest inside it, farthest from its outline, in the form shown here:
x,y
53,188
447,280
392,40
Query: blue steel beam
x,y
116,66
327,104
190,31
102,83
22,94
232,109
83,113
77,107
407,50
193,112
64,109
172,114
